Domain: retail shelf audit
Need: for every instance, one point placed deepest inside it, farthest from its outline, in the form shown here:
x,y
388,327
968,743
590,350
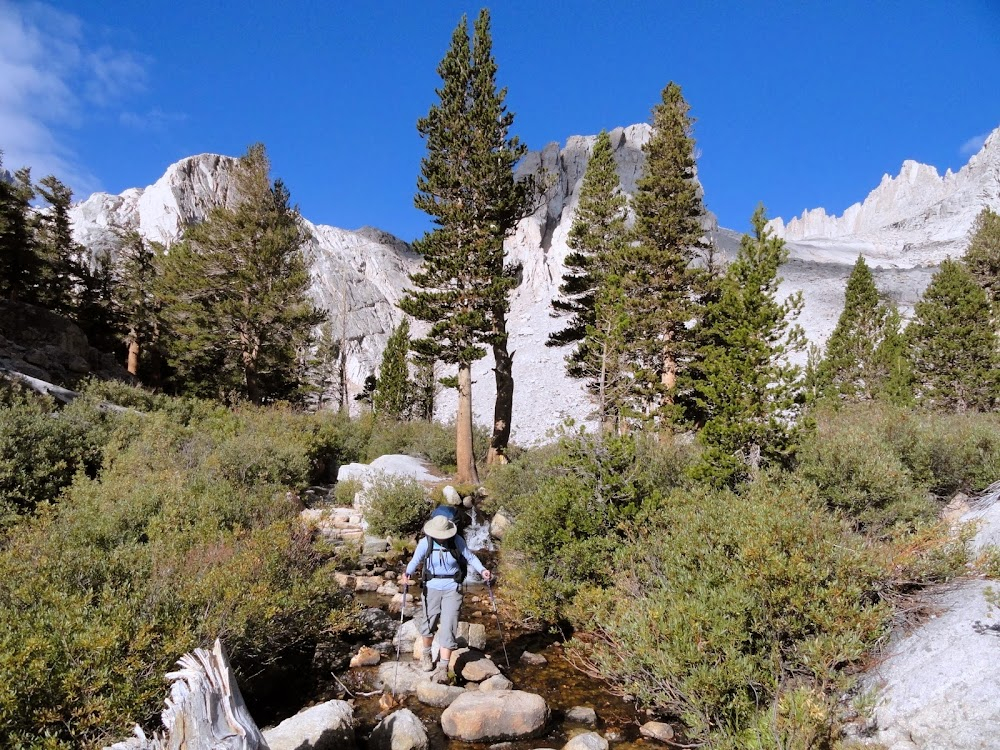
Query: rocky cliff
x,y
904,228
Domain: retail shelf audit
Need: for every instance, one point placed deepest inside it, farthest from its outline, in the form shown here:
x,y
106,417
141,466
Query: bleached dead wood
x,y
205,710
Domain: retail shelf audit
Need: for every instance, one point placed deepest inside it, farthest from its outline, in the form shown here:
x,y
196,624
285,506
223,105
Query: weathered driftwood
x,y
205,710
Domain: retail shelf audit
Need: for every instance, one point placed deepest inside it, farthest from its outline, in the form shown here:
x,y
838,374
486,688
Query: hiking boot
x,y
440,675
426,662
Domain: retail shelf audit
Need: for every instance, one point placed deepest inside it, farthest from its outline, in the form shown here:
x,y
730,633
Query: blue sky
x,y
798,104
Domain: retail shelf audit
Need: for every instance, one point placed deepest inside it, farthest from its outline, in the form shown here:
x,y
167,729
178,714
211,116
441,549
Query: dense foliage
x,y
182,533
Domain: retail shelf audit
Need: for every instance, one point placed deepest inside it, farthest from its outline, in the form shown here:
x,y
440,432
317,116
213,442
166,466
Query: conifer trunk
x,y
465,457
504,407
133,356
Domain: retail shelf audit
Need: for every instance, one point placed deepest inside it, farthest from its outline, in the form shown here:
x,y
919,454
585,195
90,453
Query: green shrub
x,y
395,505
176,541
728,603
573,506
345,490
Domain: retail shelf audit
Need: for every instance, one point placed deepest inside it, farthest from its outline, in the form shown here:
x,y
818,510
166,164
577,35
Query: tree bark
x,y
205,710
504,407
133,356
465,456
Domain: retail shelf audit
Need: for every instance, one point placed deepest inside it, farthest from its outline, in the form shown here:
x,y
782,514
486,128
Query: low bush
x,y
729,607
395,505
184,535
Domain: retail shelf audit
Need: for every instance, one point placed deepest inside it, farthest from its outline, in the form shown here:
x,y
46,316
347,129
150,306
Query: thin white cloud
x,y
154,120
973,145
51,80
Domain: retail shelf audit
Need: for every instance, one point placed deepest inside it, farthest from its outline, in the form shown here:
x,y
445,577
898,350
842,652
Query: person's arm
x,y
470,556
418,557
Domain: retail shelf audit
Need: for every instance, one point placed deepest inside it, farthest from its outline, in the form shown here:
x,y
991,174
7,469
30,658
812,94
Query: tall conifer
x,y
19,268
663,285
234,293
747,389
393,391
591,291
467,186
983,254
953,343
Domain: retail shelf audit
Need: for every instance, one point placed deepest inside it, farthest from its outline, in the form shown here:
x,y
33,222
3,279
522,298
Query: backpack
x,y
452,514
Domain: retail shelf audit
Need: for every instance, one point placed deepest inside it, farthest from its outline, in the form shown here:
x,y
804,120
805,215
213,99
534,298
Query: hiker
x,y
446,558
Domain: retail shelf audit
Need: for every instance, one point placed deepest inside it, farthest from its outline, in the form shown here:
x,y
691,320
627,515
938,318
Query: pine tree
x,y
134,294
19,268
894,374
663,285
425,387
591,292
234,293
500,201
392,398
467,186
953,343
59,255
983,254
748,390
324,372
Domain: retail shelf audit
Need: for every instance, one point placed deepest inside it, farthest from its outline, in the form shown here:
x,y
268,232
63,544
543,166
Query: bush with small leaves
x,y
394,505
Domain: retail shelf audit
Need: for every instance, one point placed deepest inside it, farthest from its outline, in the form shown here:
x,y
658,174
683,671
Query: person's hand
x,y
405,579
487,576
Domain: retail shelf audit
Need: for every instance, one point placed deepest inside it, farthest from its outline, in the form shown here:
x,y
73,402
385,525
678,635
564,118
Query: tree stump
x,y
204,711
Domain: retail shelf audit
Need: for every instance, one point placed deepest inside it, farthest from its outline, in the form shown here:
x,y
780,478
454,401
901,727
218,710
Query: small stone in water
x,y
389,575
477,613
366,657
502,746
582,715
533,659
657,730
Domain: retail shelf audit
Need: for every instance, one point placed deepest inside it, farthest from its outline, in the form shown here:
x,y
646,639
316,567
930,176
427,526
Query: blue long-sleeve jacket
x,y
440,562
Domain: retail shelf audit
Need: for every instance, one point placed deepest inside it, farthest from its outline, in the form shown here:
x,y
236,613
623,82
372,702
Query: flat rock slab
x,y
404,677
495,716
324,727
657,730
496,682
587,741
472,665
400,730
535,660
938,685
439,696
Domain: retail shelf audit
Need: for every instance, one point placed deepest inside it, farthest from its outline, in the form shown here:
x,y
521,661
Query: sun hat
x,y
440,527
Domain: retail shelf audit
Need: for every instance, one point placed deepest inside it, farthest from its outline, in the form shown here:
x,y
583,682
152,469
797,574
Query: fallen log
x,y
205,710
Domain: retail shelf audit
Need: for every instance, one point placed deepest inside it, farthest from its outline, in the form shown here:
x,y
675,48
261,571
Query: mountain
x,y
905,227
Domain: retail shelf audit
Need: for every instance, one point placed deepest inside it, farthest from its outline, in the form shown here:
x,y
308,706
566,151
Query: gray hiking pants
x,y
442,613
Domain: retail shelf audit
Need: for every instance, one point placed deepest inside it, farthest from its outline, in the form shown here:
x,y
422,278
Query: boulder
x,y
376,623
587,741
477,636
367,583
495,716
401,676
473,666
936,684
400,730
366,657
502,521
324,727
408,637
451,496
535,660
496,682
437,695
582,715
657,730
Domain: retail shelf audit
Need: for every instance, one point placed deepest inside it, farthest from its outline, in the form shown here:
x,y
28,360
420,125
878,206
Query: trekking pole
x,y
399,638
496,613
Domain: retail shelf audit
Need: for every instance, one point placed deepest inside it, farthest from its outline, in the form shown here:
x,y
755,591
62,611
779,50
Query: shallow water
x,y
562,687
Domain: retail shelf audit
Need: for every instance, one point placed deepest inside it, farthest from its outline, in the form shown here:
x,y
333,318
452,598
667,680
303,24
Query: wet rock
x,y
535,660
502,521
657,730
366,657
496,682
614,735
582,715
389,575
324,727
473,666
344,580
495,716
477,636
587,741
502,746
378,624
400,730
478,613
399,676
367,583
389,588
437,695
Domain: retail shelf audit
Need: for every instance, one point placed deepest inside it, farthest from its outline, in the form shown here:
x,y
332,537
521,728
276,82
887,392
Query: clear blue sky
x,y
798,104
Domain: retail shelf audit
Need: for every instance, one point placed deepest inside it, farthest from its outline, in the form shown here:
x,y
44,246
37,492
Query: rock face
x,y
905,227
400,730
495,716
324,727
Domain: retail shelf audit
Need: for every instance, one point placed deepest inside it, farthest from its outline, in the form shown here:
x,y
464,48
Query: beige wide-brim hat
x,y
440,527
